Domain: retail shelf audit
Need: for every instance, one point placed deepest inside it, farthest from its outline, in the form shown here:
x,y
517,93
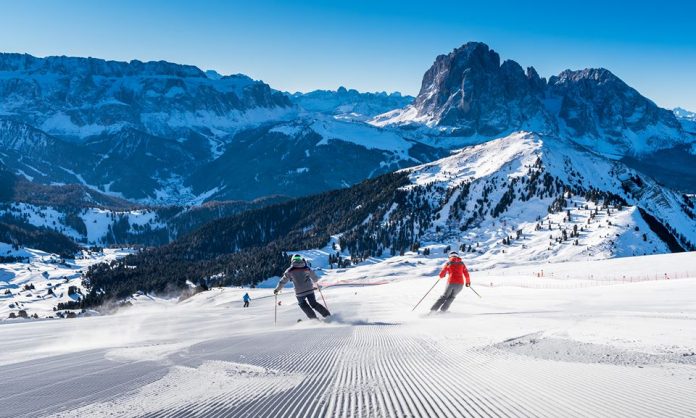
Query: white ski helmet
x,y
453,254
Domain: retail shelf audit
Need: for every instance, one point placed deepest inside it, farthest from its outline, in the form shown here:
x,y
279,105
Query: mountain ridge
x,y
152,132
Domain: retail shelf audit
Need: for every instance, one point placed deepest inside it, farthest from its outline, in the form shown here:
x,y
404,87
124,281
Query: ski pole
x,y
275,309
322,298
431,289
472,289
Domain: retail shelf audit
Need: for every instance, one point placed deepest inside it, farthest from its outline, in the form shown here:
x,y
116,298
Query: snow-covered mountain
x,y
350,104
469,93
528,197
156,141
131,129
164,133
78,98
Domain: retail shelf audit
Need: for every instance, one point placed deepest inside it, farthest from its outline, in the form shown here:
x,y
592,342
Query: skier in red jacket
x,y
455,283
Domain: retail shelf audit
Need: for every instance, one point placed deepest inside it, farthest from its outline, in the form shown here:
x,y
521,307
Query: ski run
x,y
580,339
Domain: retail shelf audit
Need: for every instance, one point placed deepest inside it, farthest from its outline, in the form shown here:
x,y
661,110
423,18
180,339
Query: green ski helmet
x,y
297,258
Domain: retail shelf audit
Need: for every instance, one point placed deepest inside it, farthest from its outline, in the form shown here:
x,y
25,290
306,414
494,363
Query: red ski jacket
x,y
457,271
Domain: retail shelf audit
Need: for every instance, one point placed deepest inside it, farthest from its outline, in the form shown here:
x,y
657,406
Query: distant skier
x,y
304,280
455,283
246,299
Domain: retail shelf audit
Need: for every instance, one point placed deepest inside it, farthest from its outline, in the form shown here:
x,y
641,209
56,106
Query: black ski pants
x,y
307,302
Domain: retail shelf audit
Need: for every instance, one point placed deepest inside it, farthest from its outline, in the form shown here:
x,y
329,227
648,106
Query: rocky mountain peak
x,y
473,54
469,89
468,92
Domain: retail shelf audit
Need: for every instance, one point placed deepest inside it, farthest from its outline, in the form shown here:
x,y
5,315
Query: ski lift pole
x,y
424,296
472,289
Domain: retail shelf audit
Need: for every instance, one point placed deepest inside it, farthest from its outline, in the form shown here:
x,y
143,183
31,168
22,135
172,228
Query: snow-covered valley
x,y
35,284
555,345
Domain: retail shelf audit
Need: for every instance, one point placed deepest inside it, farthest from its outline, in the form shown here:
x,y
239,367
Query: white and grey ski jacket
x,y
303,278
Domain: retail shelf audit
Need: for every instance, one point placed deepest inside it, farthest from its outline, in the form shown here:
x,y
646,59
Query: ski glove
x,y
275,291
468,285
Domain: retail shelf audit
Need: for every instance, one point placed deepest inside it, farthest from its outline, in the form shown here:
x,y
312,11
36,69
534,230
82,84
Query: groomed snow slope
x,y
570,348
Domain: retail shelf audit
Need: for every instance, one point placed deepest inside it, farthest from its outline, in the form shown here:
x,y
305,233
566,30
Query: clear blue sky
x,y
370,45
